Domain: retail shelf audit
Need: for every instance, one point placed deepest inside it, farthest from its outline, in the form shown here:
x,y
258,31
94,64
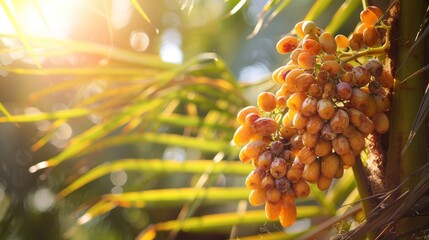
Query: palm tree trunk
x,y
406,100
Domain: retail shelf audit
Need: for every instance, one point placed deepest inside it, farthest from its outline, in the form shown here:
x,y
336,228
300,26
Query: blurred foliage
x,y
126,127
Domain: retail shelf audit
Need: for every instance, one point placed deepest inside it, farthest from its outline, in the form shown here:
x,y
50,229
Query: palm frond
x,y
21,35
342,14
155,166
318,7
391,210
223,221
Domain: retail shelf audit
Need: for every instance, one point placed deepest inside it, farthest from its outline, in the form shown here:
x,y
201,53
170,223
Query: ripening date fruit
x,y
299,121
339,173
278,167
323,148
282,184
267,101
329,91
315,90
243,135
329,165
295,53
344,90
349,131
295,101
322,77
311,172
310,140
361,27
341,145
362,75
309,107
327,133
381,122
386,79
304,81
298,29
382,102
371,37
288,212
348,159
311,46
331,66
287,132
272,210
242,114
325,108
287,119
287,44
276,148
294,174
274,195
371,108
368,17
288,155
254,148
328,43
281,102
357,142
265,159
307,155
374,67
268,182
340,121
355,116
306,60
243,157
349,77
341,41
251,118
265,126
257,197
316,123
309,27
296,143
377,11
323,183
291,79
301,188
359,99
356,41
254,179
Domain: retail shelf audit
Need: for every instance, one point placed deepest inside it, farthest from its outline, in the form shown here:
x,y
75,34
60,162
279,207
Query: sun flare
x,y
42,18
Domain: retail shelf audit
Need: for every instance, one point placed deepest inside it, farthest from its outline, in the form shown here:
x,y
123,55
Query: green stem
x,y
362,185
370,51
364,4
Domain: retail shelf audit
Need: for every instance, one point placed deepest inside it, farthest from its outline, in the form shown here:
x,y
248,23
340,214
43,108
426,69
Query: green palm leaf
x,y
156,166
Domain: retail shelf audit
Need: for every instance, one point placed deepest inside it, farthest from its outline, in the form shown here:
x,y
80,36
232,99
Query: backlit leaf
x,y
342,14
157,166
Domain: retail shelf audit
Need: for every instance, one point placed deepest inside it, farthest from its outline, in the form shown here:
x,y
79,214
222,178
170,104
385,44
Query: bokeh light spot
x,y
174,153
139,41
42,200
119,178
64,132
117,190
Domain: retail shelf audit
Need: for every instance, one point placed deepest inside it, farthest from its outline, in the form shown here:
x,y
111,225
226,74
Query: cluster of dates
x,y
315,125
